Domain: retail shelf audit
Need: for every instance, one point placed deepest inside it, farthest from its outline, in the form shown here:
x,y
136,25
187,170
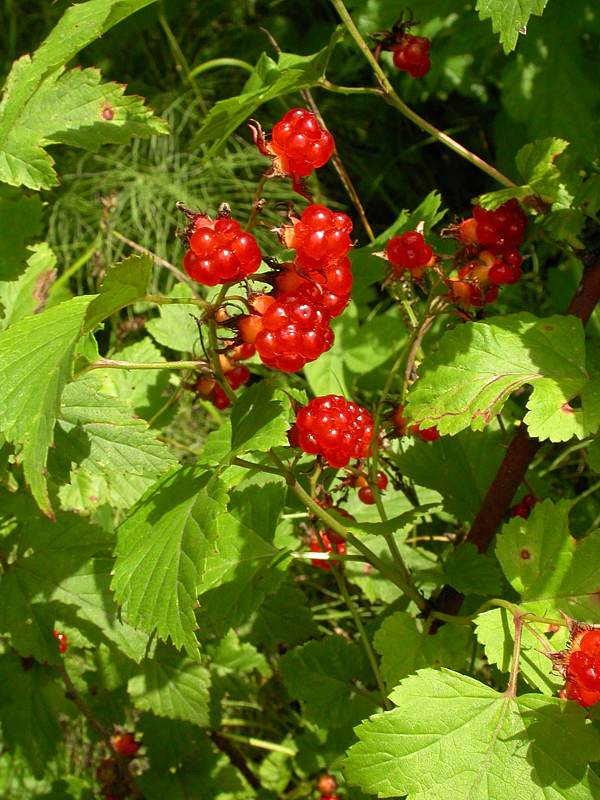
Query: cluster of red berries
x,y
220,251
411,55
298,144
409,251
327,541
580,665
365,492
524,506
62,641
491,256
327,786
292,327
334,428
235,374
402,428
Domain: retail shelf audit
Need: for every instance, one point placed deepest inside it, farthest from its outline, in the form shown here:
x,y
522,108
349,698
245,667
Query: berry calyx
x,y
334,428
62,641
220,251
411,55
319,237
125,744
299,143
408,251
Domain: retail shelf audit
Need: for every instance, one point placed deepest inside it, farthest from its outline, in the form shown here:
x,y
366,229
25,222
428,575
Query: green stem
x,y
260,743
160,300
393,99
392,573
181,63
494,603
511,689
240,462
214,346
109,363
256,204
215,63
332,87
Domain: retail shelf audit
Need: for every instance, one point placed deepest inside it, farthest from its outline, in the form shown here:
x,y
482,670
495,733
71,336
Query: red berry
x,y
584,668
366,496
382,481
300,143
331,541
125,744
412,55
523,508
294,331
467,231
332,284
319,237
503,273
62,641
399,420
220,251
243,351
426,434
590,643
326,784
502,229
334,428
219,398
237,376
579,694
408,251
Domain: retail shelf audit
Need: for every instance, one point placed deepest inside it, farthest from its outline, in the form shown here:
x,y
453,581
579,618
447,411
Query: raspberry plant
x,y
306,506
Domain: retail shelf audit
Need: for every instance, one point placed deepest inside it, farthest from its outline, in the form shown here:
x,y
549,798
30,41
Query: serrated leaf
x,y
241,569
285,617
28,294
112,456
460,467
35,363
161,553
549,569
537,167
405,647
176,327
44,105
471,572
123,284
233,656
173,686
321,675
30,704
452,736
270,80
509,17
495,631
478,366
21,223
260,419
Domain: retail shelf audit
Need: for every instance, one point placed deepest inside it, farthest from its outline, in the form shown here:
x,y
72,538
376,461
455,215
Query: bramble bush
x,y
299,500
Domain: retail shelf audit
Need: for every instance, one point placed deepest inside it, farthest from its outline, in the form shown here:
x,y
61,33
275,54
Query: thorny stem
x,y
399,578
394,100
511,689
73,695
341,170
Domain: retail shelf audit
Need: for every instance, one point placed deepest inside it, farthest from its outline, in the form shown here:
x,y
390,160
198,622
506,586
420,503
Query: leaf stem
x,y
109,363
161,300
511,689
215,63
390,95
260,743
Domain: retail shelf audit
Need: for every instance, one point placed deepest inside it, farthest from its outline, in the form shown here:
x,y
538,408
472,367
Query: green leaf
x,y
471,572
21,223
549,569
35,363
233,656
173,686
290,74
28,294
593,454
509,17
241,569
30,704
112,456
176,327
537,167
321,675
43,104
285,617
161,553
405,646
453,737
495,631
260,419
478,366
460,467
123,284
326,375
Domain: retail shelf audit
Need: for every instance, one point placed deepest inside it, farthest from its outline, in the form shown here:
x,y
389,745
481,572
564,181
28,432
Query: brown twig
x,y
236,758
518,457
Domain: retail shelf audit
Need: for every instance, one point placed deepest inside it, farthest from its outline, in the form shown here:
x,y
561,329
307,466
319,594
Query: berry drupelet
x,y
220,252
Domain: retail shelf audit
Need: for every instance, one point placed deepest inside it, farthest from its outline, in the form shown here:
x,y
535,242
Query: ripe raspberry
x,y
332,542
300,143
590,643
501,229
125,744
426,434
579,694
399,421
326,784
334,428
502,273
408,251
585,669
62,641
220,252
293,331
319,237
242,352
523,508
334,284
412,55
